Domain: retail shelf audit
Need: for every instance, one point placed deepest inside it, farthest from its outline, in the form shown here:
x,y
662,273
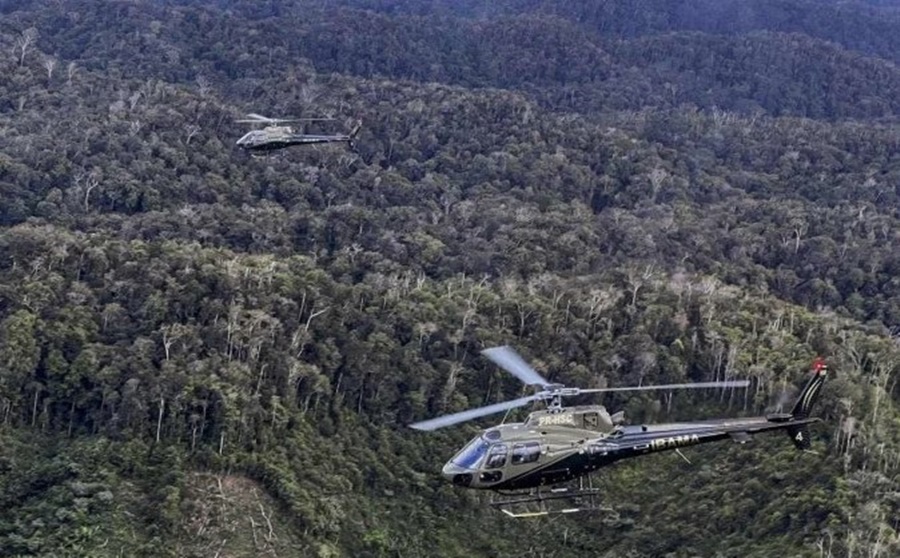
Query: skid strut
x,y
555,500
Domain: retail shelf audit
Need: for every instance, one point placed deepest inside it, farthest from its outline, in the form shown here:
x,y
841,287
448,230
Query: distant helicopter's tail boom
x,y
351,137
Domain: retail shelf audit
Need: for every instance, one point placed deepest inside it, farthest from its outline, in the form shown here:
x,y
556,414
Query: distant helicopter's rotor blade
x,y
698,385
253,117
281,120
509,360
463,416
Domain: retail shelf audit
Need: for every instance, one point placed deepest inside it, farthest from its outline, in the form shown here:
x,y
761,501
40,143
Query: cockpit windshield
x,y
471,456
250,137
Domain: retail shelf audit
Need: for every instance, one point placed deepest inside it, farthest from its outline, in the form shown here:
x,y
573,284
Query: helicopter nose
x,y
456,474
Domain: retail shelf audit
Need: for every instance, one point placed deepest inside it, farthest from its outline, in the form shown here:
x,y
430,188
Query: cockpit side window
x,y
526,453
496,456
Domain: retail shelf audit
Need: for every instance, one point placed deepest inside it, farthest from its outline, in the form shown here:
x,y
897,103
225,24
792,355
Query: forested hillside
x,y
204,353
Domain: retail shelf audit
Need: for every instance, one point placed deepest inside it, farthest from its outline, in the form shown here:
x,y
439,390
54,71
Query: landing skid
x,y
543,501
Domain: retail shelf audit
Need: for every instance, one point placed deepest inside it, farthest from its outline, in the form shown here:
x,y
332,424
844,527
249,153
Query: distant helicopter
x,y
276,136
526,462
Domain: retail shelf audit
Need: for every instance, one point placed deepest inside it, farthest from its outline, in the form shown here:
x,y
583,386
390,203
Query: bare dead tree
x,y
172,333
92,182
49,65
70,73
133,100
800,229
25,42
191,131
657,177
637,279
162,406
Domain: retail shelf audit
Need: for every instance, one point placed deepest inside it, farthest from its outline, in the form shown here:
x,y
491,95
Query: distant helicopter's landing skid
x,y
554,500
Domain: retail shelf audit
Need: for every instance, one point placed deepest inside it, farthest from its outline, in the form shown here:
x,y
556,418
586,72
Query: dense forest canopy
x,y
203,352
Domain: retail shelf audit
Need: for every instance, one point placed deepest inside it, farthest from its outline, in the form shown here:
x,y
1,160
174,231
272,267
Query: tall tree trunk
x,y
162,404
34,407
71,417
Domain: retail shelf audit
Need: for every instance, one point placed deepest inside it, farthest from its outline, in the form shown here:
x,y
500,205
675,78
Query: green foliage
x,y
196,346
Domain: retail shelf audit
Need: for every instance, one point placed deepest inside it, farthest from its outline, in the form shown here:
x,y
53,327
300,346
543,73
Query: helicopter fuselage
x,y
263,140
559,444
276,136
552,448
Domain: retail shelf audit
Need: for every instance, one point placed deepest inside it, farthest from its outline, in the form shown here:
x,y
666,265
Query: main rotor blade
x,y
509,360
463,416
698,385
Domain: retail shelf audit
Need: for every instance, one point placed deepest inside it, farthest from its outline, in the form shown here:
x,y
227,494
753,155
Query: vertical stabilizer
x,y
810,393
802,408
351,137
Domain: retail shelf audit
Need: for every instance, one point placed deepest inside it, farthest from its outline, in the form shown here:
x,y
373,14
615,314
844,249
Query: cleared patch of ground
x,y
230,516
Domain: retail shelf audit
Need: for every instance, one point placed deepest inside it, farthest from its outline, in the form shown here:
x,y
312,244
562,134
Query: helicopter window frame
x,y
471,456
526,452
496,458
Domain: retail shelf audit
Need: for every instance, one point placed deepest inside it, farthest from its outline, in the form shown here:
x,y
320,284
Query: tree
x,y
25,42
19,356
49,65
